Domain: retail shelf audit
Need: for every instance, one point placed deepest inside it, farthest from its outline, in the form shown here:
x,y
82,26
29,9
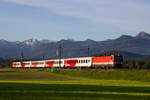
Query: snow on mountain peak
x,y
31,41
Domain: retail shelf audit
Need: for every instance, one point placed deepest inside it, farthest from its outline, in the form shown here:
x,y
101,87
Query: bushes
x,y
133,75
5,63
135,64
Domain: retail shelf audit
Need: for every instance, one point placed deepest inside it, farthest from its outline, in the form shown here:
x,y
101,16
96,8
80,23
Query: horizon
x,y
78,20
73,39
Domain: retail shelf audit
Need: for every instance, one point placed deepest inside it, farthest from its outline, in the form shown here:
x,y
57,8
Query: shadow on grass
x,y
74,90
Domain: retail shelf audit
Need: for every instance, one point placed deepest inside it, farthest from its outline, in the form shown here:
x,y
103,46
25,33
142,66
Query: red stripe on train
x,y
14,64
102,59
23,64
49,63
34,64
70,63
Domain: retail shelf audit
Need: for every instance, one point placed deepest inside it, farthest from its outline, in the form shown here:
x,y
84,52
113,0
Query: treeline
x,y
136,64
5,63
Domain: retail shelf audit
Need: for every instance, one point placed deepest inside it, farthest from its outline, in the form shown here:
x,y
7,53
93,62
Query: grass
x,y
70,85
134,75
23,76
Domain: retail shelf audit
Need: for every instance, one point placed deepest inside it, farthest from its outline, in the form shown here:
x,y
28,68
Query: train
x,y
105,62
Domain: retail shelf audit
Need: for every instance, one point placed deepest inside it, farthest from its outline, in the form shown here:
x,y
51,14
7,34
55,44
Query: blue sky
x,y
75,19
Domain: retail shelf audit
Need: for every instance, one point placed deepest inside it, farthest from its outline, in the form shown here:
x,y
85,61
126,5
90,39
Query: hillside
x,y
126,55
33,48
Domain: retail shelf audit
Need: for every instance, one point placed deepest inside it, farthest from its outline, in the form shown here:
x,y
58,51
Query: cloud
x,y
127,15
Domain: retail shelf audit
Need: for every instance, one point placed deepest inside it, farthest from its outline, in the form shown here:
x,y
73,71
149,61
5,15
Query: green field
x,y
42,84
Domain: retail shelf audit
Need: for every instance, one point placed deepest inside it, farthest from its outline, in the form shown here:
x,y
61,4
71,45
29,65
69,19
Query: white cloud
x,y
125,14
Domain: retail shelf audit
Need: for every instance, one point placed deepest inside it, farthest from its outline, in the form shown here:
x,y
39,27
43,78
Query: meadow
x,y
42,84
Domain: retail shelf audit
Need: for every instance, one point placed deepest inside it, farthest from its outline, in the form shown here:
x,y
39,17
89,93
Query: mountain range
x,y
38,49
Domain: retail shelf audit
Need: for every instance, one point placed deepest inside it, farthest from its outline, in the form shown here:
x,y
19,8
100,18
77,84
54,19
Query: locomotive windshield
x,y
118,58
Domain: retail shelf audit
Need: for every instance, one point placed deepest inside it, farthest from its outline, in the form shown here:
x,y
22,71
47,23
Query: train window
x,y
41,63
27,63
118,58
86,61
34,63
